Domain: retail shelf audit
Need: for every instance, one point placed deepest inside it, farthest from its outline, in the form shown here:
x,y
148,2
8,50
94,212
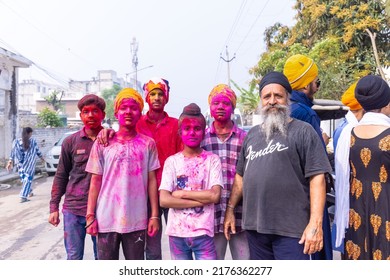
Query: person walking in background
x,y
302,74
71,179
191,184
341,144
225,139
24,153
368,233
123,181
280,177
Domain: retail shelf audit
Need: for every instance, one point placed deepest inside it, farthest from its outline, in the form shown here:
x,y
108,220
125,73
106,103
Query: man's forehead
x,y
157,90
273,88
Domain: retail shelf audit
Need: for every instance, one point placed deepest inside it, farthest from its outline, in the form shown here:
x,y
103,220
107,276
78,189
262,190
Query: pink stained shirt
x,y
124,166
166,136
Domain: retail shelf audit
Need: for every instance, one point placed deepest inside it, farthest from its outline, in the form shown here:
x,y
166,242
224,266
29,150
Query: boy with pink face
x,y
123,179
225,139
191,184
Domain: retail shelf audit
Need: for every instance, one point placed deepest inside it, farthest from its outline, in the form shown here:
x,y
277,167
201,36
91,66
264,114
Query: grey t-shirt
x,y
276,186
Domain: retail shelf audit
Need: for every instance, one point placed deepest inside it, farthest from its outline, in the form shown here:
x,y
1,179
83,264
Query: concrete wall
x,y
45,137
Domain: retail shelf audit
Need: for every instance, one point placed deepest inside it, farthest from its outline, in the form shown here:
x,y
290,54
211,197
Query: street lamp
x,y
137,70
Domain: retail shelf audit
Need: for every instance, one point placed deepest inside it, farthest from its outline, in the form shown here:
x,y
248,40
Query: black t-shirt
x,y
276,179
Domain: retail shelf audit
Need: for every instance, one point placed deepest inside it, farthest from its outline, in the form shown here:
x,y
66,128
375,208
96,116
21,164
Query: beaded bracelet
x,y
154,218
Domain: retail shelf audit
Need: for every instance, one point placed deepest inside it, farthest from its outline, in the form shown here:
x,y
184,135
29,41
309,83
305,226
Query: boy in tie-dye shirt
x,y
123,179
191,184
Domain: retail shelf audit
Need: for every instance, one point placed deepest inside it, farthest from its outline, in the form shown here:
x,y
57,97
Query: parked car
x,y
52,157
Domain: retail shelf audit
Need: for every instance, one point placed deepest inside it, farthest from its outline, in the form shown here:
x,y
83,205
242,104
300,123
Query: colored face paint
x,y
221,108
192,132
92,116
128,113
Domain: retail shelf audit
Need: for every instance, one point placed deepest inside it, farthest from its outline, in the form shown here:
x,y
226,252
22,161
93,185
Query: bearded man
x,y
280,177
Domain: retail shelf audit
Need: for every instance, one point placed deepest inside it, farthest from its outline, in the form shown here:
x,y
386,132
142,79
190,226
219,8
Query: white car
x,y
52,157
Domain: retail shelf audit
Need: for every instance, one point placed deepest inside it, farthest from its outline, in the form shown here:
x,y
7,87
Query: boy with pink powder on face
x,y
123,179
191,183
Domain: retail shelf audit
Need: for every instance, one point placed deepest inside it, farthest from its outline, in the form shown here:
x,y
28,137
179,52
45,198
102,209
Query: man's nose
x,y
272,100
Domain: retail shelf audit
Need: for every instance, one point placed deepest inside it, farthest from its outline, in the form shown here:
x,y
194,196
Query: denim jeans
x,y
202,247
74,236
238,245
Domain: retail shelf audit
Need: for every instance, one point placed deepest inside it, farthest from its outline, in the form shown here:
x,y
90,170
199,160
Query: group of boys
x,y
134,164
155,162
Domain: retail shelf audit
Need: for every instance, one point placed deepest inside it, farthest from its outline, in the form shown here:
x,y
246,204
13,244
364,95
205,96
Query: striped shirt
x,y
228,151
26,160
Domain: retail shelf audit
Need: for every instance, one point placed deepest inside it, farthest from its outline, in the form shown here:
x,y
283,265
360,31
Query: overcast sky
x,y
183,40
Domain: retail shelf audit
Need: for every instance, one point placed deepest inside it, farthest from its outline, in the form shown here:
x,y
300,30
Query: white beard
x,y
275,122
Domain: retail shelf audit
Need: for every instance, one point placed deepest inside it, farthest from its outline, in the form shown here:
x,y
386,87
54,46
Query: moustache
x,y
277,106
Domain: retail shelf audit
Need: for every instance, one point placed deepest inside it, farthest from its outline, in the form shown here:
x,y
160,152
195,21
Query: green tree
x,y
248,99
48,118
54,99
335,33
109,95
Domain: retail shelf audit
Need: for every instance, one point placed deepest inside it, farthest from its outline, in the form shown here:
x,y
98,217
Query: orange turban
x,y
349,100
224,90
156,83
300,71
128,93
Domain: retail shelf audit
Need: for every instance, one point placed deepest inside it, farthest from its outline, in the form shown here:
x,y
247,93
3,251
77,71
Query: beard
x,y
275,122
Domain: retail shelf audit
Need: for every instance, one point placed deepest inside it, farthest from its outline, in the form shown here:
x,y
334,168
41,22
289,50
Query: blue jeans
x,y
274,247
202,247
74,236
238,245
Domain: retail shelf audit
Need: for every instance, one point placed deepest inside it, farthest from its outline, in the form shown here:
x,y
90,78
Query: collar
x,y
300,97
83,134
163,121
234,128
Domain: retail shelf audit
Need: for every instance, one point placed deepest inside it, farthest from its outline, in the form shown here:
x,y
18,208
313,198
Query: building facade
x,y
9,123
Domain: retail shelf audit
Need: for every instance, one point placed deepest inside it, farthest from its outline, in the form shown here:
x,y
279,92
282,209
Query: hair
x,y
92,99
26,137
192,111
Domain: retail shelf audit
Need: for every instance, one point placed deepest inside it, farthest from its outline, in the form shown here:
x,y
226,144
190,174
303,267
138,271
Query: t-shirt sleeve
x,y
95,162
168,179
241,159
216,171
154,163
315,158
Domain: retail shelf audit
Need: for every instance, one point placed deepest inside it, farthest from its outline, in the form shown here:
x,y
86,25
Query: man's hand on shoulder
x,y
105,135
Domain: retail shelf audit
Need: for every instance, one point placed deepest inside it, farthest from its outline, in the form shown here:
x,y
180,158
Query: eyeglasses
x,y
318,83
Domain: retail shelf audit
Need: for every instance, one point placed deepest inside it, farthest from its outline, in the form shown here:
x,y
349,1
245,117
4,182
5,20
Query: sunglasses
x,y
318,83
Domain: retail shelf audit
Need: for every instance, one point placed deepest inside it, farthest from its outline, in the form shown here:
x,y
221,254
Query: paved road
x,y
25,233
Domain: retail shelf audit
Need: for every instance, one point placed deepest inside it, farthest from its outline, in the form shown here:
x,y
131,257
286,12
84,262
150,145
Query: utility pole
x,y
134,50
227,60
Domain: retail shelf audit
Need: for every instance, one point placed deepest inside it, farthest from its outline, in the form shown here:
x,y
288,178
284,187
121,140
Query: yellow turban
x,y
300,71
348,98
128,93
224,90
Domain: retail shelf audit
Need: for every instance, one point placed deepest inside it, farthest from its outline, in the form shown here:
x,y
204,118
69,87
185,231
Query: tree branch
x,y
372,37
